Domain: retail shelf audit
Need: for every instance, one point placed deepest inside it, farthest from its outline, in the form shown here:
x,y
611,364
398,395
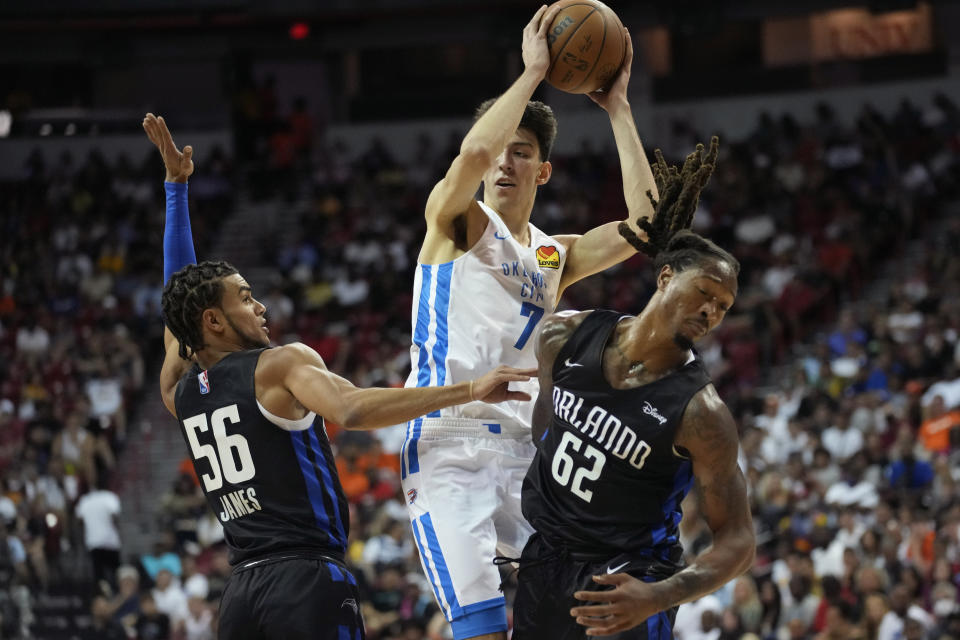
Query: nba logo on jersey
x,y
548,257
412,494
204,382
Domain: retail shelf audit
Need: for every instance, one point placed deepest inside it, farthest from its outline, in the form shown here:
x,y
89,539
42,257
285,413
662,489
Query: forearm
x,y
177,234
634,166
492,130
375,408
725,560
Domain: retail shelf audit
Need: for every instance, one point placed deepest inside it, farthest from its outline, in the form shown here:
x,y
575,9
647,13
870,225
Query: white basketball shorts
x,y
462,481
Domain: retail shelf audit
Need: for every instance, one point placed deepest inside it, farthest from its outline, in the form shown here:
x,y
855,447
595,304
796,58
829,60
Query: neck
x,y
210,356
517,219
520,230
641,340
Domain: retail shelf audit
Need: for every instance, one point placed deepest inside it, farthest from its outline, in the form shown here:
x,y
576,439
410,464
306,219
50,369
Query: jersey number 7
x,y
533,312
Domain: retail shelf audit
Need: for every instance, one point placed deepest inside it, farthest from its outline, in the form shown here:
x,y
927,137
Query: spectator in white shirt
x,y
98,511
892,625
840,440
391,547
170,598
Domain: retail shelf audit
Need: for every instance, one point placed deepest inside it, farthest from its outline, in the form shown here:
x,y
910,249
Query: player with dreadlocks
x,y
627,419
253,416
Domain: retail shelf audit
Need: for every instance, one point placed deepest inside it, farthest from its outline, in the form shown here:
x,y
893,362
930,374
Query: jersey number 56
x,y
231,459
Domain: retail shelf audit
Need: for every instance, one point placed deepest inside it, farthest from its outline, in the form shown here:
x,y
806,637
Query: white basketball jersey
x,y
482,310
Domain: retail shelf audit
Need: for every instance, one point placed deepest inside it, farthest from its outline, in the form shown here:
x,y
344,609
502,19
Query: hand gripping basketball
x,y
587,46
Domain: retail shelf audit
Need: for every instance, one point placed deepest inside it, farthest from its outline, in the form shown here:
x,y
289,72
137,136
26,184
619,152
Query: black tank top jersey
x,y
606,478
273,490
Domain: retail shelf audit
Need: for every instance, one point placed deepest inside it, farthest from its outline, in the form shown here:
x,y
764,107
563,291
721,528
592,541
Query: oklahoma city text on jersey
x,y
531,284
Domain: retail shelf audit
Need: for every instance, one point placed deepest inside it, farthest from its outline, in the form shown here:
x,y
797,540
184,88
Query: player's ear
x,y
664,277
212,319
546,170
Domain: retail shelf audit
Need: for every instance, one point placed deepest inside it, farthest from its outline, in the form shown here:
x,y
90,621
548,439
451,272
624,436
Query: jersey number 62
x,y
563,465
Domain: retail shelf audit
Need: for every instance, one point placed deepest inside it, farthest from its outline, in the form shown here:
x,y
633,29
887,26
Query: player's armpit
x,y
452,231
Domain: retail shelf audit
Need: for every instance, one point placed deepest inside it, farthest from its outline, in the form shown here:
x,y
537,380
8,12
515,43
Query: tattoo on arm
x,y
710,435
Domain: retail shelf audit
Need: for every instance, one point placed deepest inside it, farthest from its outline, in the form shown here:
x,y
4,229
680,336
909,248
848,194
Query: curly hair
x,y
669,240
189,291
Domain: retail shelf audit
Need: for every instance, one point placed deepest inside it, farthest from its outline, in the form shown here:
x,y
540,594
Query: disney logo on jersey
x,y
548,257
204,381
652,411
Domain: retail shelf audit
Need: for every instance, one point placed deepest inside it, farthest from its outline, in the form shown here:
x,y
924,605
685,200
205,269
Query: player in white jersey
x,y
485,277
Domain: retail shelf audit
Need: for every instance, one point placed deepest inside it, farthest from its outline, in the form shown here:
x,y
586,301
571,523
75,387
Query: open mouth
x,y
505,184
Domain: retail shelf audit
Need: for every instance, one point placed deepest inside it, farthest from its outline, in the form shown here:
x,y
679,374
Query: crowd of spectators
x,y
840,360
79,307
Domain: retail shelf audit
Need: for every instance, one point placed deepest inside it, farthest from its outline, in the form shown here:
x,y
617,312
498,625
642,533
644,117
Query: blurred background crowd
x,y
840,361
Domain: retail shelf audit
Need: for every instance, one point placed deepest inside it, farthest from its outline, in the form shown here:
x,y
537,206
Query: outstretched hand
x,y
628,604
179,164
493,386
616,93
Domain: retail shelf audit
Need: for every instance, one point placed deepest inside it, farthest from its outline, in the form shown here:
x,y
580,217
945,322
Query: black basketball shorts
x,y
291,598
548,579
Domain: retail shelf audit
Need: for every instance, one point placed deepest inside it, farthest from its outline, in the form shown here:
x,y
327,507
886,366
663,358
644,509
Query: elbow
x,y
747,552
350,420
739,550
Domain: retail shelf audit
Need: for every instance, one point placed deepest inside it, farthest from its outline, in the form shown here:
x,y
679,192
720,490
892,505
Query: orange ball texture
x,y
587,46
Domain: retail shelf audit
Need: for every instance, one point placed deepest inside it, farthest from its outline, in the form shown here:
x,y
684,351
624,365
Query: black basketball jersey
x,y
607,478
274,490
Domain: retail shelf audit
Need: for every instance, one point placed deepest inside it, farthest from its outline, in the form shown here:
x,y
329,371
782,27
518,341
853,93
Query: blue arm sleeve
x,y
177,236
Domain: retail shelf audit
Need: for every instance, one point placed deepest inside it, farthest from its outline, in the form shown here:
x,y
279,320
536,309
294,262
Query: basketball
x,y
587,46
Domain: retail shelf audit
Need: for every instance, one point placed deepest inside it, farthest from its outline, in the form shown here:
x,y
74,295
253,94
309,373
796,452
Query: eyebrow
x,y
245,289
519,143
719,280
712,277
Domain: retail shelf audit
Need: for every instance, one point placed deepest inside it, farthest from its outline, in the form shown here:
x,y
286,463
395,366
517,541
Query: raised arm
x,y
709,434
177,239
603,246
302,373
454,195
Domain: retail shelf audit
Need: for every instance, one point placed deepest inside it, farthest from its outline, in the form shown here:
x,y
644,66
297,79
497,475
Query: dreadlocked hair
x,y
189,291
679,193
